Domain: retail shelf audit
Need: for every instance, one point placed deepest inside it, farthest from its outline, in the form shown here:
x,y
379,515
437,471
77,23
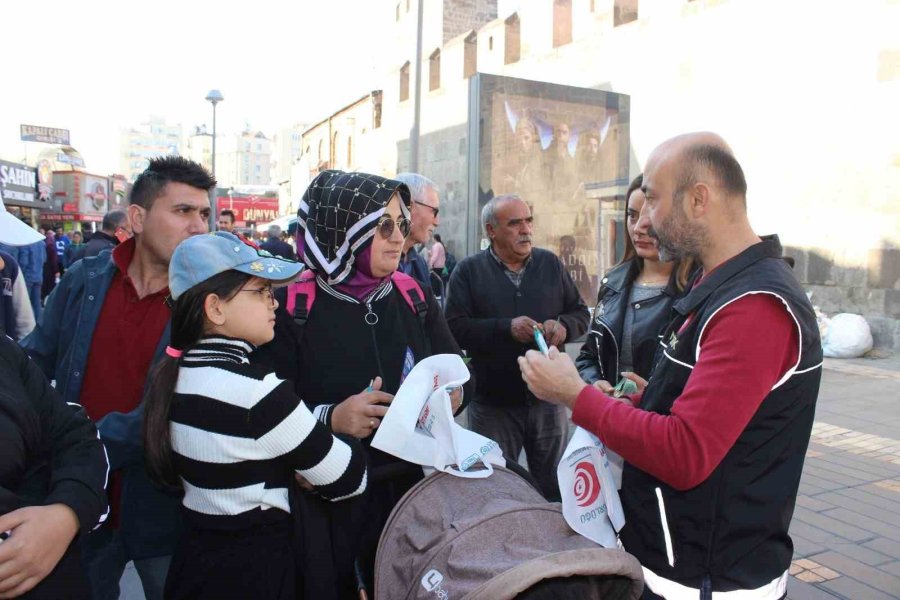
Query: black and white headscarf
x,y
337,218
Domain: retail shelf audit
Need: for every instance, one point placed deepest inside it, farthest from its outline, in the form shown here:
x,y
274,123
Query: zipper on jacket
x,y
667,537
371,320
706,588
615,345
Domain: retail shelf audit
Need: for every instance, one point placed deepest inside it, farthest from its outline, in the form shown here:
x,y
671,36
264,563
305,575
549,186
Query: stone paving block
x,y
880,490
893,568
810,490
863,498
816,482
798,590
885,546
837,477
872,576
827,522
804,547
813,504
810,533
851,464
855,590
860,552
862,522
810,577
841,500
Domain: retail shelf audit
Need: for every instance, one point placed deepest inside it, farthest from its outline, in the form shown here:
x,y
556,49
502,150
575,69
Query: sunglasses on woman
x,y
385,226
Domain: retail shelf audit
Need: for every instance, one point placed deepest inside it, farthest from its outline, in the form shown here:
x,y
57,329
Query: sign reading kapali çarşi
x,y
19,183
47,135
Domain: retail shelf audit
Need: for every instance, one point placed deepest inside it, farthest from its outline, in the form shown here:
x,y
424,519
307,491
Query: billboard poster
x,y
565,151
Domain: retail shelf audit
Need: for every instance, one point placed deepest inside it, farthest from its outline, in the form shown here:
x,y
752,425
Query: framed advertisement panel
x,y
565,151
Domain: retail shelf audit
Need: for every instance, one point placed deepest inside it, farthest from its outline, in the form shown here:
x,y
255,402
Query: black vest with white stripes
x,y
731,531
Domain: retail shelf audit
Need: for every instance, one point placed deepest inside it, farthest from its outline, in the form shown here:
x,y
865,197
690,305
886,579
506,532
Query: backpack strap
x,y
300,297
411,291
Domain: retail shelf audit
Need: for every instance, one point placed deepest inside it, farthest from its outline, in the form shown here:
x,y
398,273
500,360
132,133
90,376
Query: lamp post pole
x,y
213,97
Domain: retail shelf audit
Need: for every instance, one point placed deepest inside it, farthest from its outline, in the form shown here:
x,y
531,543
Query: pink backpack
x,y
302,294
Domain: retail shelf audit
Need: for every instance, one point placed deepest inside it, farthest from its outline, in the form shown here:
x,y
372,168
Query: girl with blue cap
x,y
231,433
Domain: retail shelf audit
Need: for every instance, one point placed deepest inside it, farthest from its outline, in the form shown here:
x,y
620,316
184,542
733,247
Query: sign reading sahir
x,y
47,135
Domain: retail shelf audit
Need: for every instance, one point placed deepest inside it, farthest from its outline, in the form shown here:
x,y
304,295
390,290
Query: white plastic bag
x,y
591,504
419,426
848,336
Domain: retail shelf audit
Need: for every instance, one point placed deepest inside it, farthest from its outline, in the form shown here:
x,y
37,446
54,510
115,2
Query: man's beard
x,y
676,237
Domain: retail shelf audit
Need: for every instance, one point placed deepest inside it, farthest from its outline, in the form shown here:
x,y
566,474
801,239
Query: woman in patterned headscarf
x,y
368,326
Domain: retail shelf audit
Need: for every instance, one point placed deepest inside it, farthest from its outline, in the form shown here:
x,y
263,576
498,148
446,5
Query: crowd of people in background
x,y
204,405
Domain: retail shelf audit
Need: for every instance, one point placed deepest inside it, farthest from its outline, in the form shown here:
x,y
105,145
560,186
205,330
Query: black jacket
x,y
98,243
481,304
49,453
730,532
599,357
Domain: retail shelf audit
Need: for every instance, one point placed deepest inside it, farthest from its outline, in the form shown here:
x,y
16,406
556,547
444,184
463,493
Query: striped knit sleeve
x,y
286,429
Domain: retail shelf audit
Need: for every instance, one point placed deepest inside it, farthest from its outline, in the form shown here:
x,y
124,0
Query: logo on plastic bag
x,y
587,484
591,504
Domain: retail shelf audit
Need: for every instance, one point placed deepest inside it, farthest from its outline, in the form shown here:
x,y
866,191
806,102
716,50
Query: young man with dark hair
x,y
103,328
226,221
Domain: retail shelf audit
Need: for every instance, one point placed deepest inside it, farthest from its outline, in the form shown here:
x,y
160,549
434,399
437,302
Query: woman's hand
x,y
360,415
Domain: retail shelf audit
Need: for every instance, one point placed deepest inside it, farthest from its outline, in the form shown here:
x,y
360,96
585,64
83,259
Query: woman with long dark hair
x,y
633,306
232,434
352,324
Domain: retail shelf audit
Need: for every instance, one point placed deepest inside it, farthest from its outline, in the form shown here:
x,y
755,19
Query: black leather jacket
x,y
599,357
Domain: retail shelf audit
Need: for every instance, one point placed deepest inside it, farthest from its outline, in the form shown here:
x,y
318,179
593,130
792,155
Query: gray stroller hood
x,y
488,539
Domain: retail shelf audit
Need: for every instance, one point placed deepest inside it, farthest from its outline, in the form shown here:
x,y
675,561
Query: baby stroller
x,y
493,539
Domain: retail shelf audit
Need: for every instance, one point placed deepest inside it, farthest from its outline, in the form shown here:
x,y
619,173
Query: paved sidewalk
x,y
846,527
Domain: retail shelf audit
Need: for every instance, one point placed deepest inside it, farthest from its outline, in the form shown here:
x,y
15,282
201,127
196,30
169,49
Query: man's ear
x,y
213,307
136,216
490,230
698,198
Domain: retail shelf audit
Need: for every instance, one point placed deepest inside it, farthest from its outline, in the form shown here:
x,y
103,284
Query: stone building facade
x,y
806,94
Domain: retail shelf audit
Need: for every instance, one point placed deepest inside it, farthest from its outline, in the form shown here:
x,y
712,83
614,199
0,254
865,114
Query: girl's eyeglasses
x,y
265,293
385,226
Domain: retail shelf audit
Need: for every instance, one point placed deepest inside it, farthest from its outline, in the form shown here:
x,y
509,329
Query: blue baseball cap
x,y
200,257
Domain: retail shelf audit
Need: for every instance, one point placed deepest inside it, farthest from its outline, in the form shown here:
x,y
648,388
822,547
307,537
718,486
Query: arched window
x,y
434,70
349,152
562,22
404,82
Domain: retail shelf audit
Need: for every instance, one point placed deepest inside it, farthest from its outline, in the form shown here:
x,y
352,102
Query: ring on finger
x,y
372,423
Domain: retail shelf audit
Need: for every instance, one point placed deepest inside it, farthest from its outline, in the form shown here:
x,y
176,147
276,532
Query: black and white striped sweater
x,y
238,435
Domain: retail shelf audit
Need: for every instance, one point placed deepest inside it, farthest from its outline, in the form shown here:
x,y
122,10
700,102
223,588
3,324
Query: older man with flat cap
x,y
714,445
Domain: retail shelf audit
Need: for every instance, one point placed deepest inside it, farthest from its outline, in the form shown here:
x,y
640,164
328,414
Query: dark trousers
x,y
539,427
257,562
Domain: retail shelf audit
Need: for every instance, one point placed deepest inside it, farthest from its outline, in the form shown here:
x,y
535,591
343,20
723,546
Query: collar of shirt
x,y
122,256
220,348
503,264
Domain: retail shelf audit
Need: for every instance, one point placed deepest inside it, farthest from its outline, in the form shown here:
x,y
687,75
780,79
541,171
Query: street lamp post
x,y
213,97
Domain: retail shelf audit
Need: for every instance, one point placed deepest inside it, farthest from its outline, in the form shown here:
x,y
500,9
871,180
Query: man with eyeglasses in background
x,y
426,204
103,328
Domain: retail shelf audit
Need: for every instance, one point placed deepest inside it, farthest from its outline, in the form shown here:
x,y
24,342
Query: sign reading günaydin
x,y
47,135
